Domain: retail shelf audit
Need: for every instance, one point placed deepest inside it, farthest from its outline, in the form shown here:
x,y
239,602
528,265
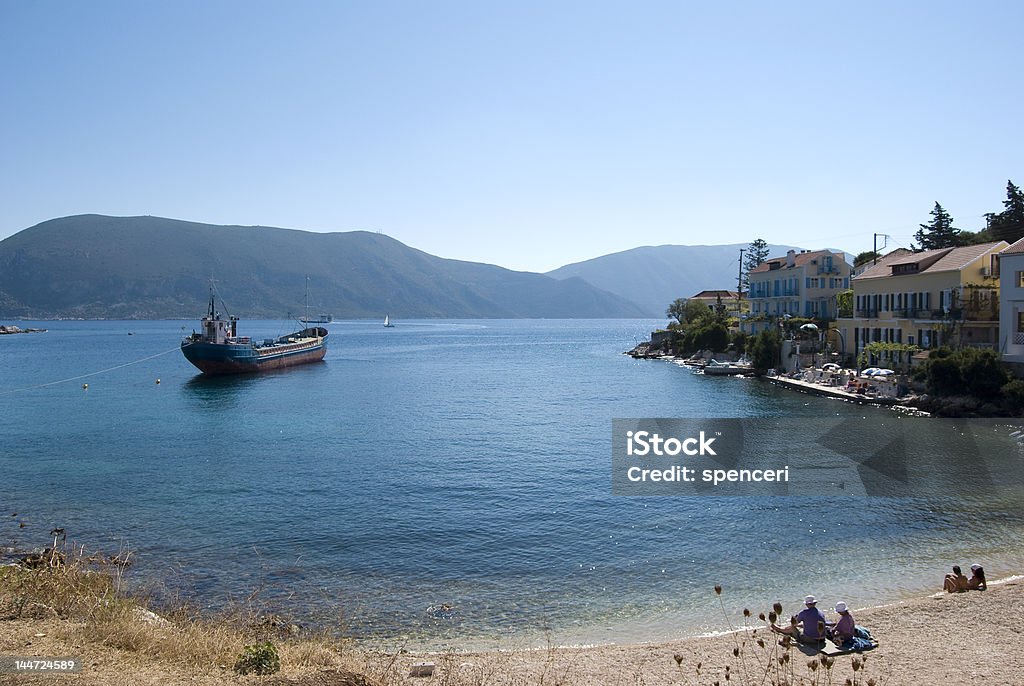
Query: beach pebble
x,y
422,669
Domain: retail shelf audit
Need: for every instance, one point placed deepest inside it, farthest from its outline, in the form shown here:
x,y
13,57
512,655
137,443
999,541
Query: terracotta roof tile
x,y
799,259
1014,249
716,294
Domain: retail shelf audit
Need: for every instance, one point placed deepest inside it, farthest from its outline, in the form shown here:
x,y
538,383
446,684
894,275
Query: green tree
x,y
939,232
738,339
864,257
983,373
757,252
713,336
944,377
687,311
1013,396
764,350
976,237
677,310
1008,225
844,303
966,371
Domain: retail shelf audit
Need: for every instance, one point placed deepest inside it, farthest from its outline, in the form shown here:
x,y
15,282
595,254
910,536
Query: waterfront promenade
x,y
832,391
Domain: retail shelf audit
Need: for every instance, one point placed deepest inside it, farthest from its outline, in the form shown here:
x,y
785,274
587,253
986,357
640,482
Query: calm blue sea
x,y
441,463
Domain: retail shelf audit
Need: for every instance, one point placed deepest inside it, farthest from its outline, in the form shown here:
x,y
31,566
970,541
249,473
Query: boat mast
x,y
212,311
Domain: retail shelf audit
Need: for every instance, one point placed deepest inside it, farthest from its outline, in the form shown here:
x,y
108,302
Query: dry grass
x,y
77,603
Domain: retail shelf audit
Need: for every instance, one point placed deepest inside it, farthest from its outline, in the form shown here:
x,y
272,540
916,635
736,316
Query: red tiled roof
x,y
799,259
716,294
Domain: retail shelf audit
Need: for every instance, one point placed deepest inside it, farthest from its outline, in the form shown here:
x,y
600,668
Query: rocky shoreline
x,y
11,329
916,400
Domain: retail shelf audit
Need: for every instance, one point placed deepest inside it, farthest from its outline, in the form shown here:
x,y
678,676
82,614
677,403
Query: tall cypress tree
x,y
939,232
757,252
1008,225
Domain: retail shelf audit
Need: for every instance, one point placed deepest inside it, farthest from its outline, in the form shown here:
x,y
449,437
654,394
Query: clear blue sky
x,y
525,134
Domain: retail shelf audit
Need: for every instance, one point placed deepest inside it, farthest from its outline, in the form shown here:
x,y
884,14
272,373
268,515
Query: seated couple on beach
x,y
810,627
958,583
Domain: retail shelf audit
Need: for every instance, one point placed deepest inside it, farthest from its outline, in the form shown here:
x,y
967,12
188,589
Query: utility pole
x,y
874,247
739,279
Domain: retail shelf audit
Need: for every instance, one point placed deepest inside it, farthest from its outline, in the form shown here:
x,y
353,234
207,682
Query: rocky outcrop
x,y
10,328
955,406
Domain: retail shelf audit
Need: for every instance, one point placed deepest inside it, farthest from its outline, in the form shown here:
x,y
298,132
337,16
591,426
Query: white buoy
x,y
85,387
158,382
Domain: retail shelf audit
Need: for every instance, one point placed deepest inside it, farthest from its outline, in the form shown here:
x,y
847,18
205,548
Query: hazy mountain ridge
x,y
96,266
654,276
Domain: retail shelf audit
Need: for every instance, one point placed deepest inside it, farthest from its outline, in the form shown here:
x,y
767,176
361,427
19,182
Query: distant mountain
x,y
95,266
654,276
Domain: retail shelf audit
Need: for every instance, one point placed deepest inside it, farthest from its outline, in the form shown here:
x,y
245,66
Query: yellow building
x,y
801,284
931,298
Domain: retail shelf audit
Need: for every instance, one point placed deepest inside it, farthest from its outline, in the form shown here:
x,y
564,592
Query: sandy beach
x,y
967,638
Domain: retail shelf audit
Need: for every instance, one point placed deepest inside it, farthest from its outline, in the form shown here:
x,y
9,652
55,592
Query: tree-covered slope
x,y
97,266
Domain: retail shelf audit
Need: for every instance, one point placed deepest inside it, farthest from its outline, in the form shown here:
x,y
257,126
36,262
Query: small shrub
x,y
983,373
261,658
1013,396
944,377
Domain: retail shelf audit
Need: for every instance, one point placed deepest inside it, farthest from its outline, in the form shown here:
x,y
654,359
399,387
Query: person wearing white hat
x,y
843,629
812,621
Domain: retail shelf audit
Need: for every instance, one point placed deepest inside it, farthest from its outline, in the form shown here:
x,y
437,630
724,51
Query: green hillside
x,y
95,266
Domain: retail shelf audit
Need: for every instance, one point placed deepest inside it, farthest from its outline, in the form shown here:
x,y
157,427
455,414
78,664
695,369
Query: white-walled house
x,y
1011,302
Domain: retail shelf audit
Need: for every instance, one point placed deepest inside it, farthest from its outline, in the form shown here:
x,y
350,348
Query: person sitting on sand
x,y
811,619
977,580
955,582
843,629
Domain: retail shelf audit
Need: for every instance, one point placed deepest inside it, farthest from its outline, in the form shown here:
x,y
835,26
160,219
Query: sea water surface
x,y
442,483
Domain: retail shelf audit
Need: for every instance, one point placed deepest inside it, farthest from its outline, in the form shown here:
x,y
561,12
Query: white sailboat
x,y
387,322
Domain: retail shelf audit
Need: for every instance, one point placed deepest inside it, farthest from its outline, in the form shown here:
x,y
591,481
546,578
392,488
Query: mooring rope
x,y
85,376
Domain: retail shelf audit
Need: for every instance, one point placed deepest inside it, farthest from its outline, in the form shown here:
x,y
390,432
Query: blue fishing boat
x,y
218,349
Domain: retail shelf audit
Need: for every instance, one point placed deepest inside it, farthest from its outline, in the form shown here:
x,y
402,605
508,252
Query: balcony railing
x,y
983,314
916,313
1018,338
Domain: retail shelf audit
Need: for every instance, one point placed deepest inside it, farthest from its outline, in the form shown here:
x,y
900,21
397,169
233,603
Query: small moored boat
x,y
716,368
